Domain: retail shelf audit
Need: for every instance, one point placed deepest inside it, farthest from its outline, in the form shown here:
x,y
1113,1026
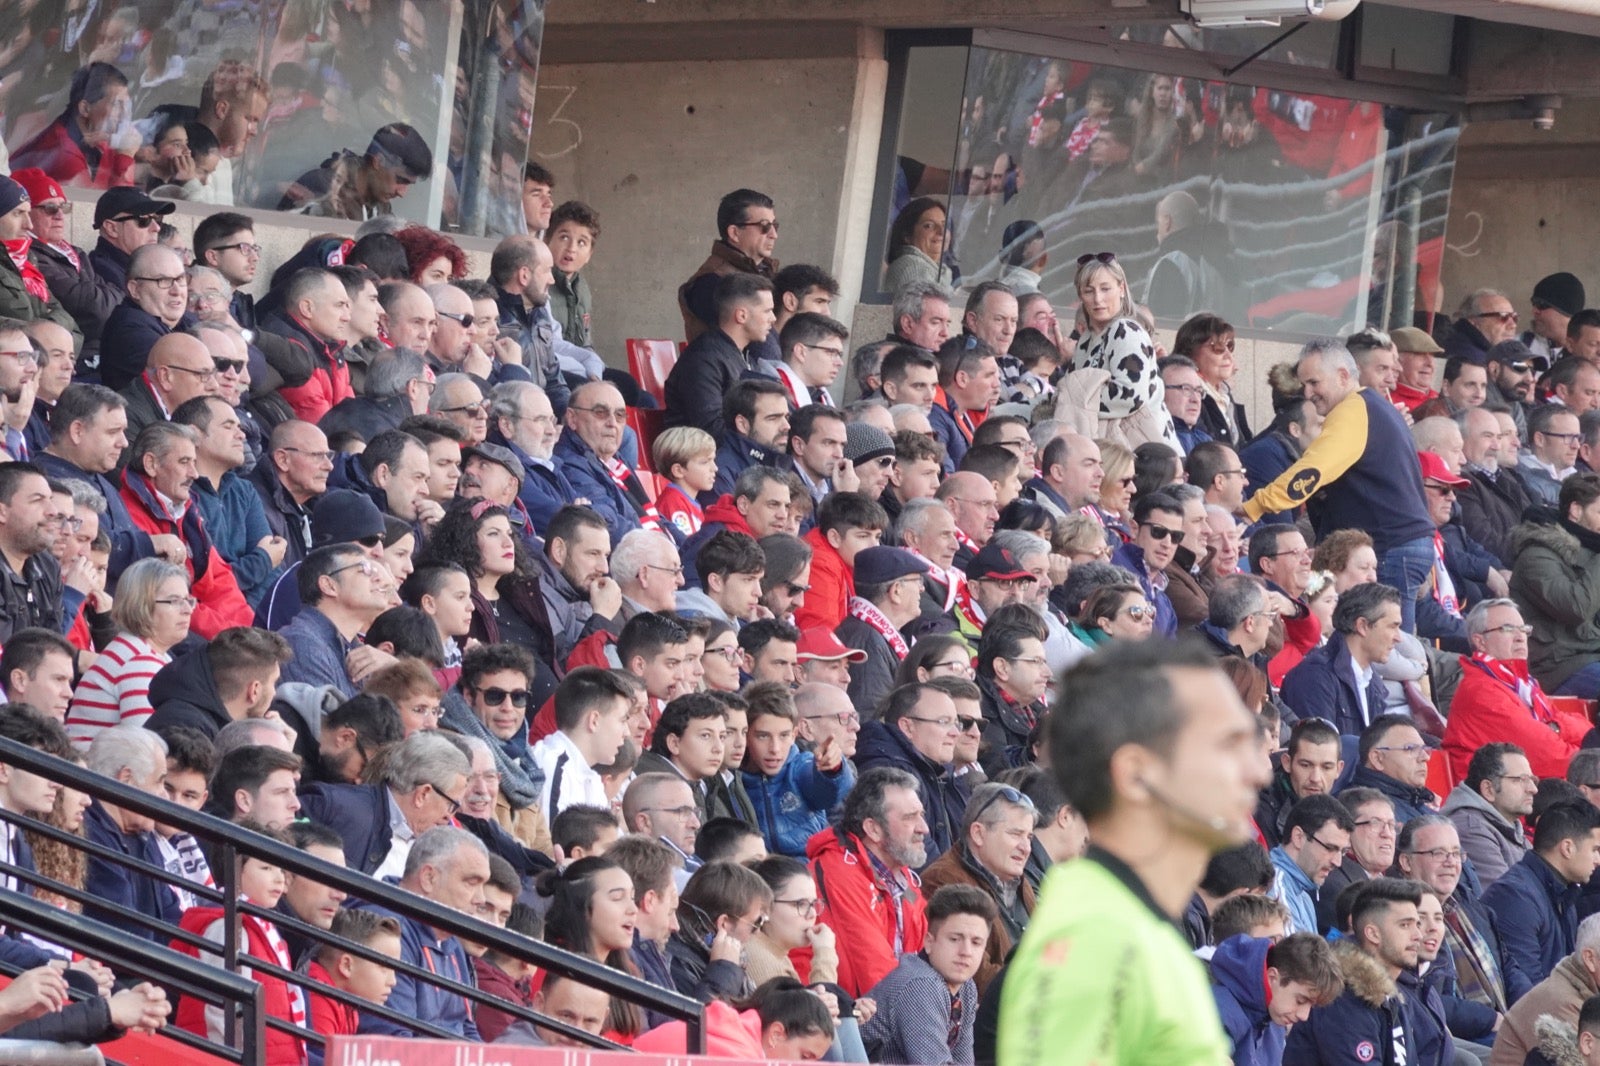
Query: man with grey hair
x,y
921,313
1359,469
423,781
1442,436
1486,317
927,529
1033,554
1492,505
137,758
1240,618
398,385
645,566
254,733
459,400
156,485
521,418
450,867
996,840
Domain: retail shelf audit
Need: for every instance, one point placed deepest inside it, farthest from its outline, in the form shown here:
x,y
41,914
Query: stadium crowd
x,y
788,703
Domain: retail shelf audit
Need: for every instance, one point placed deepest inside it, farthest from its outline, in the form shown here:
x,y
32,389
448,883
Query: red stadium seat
x,y
1439,782
647,425
650,361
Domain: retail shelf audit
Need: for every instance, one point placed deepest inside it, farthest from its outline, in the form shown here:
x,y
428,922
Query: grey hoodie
x,y
1493,843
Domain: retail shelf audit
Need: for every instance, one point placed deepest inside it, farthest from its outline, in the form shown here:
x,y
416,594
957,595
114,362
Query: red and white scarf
x,y
70,252
799,394
624,479
867,611
284,958
954,581
1444,589
966,541
1513,674
32,280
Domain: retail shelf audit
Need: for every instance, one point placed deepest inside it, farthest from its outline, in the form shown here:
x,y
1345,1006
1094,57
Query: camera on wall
x,y
1216,13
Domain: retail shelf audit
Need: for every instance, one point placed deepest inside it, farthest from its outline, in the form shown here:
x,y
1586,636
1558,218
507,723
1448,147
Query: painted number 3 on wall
x,y
570,134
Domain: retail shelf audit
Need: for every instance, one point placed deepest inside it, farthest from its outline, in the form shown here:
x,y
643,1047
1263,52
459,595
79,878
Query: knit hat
x,y
864,443
344,516
40,186
1562,291
11,194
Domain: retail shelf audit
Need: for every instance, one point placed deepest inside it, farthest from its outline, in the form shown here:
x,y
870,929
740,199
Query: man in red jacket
x,y
1498,699
155,487
316,316
863,868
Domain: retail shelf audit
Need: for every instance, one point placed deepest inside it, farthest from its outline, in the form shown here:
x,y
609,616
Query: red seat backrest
x,y
650,361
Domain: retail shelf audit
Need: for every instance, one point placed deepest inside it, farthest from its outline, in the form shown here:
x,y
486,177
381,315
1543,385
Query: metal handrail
x,y
233,840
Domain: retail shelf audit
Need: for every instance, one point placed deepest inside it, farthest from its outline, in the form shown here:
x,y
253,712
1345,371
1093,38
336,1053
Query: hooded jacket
x,y
793,805
211,580
722,513
184,693
833,582
1537,910
862,910
1557,998
943,800
1239,985
1493,843
1324,686
1366,1024
1558,1044
1556,582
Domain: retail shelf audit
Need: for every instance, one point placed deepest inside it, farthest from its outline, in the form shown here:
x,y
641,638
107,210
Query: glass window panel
x,y
1394,38
1315,44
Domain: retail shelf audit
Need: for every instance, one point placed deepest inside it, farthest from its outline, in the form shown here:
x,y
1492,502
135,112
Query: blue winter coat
x,y
1425,1017
237,522
1537,913
793,805
1239,985
1366,1024
589,477
114,883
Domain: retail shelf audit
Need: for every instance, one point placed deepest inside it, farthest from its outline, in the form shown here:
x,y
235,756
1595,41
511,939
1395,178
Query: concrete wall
x,y
653,147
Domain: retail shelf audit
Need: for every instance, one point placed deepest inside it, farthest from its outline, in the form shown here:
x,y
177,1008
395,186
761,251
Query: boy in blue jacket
x,y
792,790
1262,988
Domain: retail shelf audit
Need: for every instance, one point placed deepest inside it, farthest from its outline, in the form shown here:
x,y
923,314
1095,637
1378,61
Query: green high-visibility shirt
x,y
1103,977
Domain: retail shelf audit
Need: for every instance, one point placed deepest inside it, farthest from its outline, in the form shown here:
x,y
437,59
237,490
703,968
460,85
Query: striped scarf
x,y
1478,976
283,957
629,483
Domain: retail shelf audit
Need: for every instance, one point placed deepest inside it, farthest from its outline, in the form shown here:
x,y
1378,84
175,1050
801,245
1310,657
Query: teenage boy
x,y
652,647
350,973
688,743
792,791
574,229
847,522
591,724
1262,987
730,567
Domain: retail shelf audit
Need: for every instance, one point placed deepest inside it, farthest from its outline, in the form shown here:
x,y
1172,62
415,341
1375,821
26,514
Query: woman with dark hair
x,y
931,657
1209,341
399,546
1115,612
592,913
916,245
1155,466
1029,516
431,257
507,606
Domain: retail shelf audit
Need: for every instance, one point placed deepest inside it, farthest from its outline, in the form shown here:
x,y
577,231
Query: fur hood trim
x,y
1364,976
1558,1041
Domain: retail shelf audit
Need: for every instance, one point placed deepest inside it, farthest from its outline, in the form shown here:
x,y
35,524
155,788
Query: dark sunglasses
x,y
370,542
1097,257
138,220
55,210
1163,533
230,366
494,697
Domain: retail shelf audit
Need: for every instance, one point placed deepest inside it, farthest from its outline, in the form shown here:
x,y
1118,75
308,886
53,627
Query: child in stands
x,y
687,457
348,972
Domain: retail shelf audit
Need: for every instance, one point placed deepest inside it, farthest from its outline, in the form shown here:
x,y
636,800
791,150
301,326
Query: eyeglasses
x,y
455,804
961,666
1188,390
1443,490
970,725
460,320
1221,346
370,542
1439,854
806,908
767,226
844,718
730,653
434,711
494,697
1506,317
884,462
70,523
839,352
675,571
1233,473
251,250
230,366
27,354
208,372
481,407
945,724
1163,533
1558,436
326,457
1287,551
179,601
366,566
1097,257
1035,661
1324,845
1381,823
1404,749
55,210
688,811
138,220
1510,630
758,923
604,414
165,283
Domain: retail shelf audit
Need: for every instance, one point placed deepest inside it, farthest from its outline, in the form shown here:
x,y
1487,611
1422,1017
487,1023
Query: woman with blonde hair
x,y
1117,487
1114,378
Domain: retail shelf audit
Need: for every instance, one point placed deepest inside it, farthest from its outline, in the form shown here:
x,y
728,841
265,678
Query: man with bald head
x,y
587,452
970,497
59,356
521,418
156,304
316,319
1492,505
179,369
1069,475
291,473
408,316
522,271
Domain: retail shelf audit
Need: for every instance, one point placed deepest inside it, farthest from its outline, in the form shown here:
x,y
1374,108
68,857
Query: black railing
x,y
230,842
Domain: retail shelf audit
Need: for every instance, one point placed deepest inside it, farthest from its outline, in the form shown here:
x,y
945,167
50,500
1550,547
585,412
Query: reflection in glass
x,y
1277,210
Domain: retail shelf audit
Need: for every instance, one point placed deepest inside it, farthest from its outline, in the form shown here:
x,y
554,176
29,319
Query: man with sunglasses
x,y
1556,298
1464,572
747,232
157,303
1157,534
587,453
1314,841
127,220
1485,318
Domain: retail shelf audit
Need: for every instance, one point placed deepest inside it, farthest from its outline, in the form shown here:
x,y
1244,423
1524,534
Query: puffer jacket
x,y
793,806
1556,582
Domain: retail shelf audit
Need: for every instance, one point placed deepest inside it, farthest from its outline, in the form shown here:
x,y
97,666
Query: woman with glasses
x,y
506,606
1115,612
722,657
721,908
152,610
1124,394
1117,488
1209,341
931,657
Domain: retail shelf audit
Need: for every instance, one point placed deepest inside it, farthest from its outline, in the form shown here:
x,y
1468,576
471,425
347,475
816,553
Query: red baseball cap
x,y
820,643
1433,469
